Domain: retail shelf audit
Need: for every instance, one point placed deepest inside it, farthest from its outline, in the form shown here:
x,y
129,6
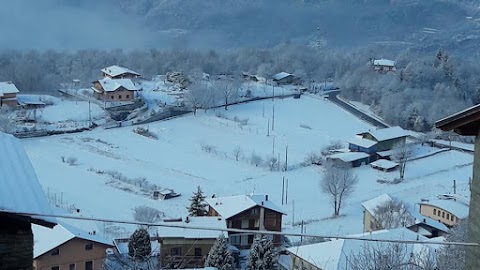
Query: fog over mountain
x,y
138,24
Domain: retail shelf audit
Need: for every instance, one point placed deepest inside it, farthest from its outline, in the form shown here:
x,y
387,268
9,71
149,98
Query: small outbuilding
x,y
350,159
284,78
165,194
384,165
384,65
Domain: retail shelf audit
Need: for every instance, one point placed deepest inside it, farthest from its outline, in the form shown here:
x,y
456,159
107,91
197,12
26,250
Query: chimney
x,y
187,220
266,197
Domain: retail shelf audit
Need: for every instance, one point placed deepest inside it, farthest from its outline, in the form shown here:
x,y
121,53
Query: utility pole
x,y
301,236
273,147
283,188
293,212
89,114
268,127
286,158
286,191
273,90
454,187
273,117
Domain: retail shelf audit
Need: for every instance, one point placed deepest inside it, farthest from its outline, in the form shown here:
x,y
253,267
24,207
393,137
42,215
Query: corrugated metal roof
x,y
20,190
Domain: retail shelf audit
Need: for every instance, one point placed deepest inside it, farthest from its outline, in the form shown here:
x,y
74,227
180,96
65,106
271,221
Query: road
x,y
332,96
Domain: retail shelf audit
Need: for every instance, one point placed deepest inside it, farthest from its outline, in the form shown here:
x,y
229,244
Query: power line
x,y
244,231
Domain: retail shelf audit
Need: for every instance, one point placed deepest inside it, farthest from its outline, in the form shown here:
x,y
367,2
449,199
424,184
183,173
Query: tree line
x,y
426,86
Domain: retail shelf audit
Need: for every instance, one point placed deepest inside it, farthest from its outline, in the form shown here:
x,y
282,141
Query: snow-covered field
x,y
176,160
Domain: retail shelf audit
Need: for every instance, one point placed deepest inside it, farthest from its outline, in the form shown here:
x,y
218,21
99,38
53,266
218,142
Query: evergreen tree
x,y
262,255
219,256
139,245
197,206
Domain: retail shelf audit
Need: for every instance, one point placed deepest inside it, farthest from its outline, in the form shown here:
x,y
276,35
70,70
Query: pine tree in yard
x,y
262,254
219,256
139,245
197,206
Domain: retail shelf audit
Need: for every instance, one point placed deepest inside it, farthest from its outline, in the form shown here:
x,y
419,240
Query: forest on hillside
x,y
425,87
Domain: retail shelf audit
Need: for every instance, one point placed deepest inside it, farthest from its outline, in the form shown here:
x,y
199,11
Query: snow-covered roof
x,y
46,239
419,218
281,75
385,134
366,143
333,255
384,62
122,246
29,100
20,190
456,207
206,222
384,164
110,85
115,70
228,207
349,156
372,204
386,153
7,88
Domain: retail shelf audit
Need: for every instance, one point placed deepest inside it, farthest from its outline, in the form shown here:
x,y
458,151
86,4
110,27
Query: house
x,y
384,165
30,102
386,138
447,210
350,159
284,78
384,65
359,144
20,195
108,89
68,247
467,123
188,247
252,212
119,72
427,227
8,94
335,254
369,207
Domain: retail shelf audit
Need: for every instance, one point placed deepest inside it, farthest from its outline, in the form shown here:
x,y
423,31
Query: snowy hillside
x,y
191,151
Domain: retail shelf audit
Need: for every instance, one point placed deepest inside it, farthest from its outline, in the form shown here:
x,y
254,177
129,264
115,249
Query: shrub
x,y
148,214
71,161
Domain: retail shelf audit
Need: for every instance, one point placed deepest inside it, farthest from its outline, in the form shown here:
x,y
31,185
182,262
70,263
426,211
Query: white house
x,y
335,254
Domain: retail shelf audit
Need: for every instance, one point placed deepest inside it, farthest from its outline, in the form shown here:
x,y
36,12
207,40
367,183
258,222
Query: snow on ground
x,y
176,160
70,111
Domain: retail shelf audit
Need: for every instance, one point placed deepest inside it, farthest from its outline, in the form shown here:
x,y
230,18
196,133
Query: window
x,y
112,97
119,96
235,240
451,218
128,96
443,214
89,265
55,268
89,246
254,211
434,211
229,224
448,216
55,252
176,251
198,252
257,223
244,223
71,266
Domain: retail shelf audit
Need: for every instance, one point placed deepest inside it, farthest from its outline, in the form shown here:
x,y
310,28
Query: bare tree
x,y
338,183
228,90
453,257
195,95
393,214
393,256
237,153
401,153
